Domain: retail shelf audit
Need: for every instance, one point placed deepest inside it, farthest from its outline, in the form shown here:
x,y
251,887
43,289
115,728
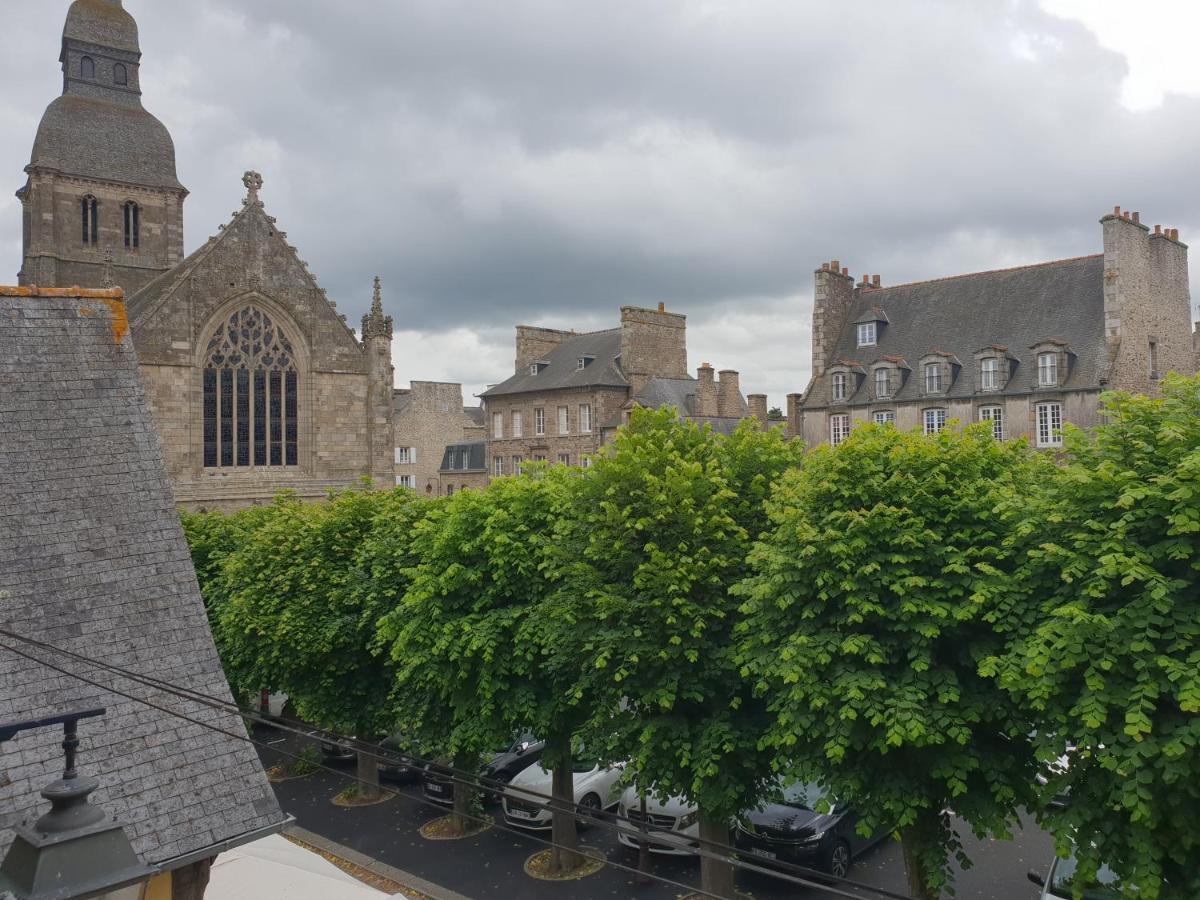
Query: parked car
x,y
525,800
674,815
398,764
788,828
268,703
334,750
437,777
1060,882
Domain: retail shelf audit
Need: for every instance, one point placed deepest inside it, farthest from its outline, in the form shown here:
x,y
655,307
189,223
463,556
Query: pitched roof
x,y
475,414
563,369
93,560
677,392
957,316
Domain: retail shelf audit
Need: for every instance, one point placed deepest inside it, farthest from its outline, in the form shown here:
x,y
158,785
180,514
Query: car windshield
x,y
1103,887
802,795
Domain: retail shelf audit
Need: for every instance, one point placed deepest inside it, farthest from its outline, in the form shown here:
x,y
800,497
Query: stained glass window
x,y
251,394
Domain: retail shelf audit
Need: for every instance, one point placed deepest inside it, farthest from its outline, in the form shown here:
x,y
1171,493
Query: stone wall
x,y
606,404
653,344
833,295
429,416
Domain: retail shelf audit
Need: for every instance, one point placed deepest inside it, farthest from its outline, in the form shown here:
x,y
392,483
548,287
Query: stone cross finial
x,y
108,278
375,323
253,182
377,300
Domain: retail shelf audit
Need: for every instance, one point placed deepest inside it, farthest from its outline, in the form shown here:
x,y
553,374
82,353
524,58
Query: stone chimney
x,y
729,395
758,408
833,298
653,345
706,391
1147,303
795,423
535,343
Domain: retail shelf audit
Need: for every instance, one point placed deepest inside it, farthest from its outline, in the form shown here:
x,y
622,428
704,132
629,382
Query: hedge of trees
x,y
922,624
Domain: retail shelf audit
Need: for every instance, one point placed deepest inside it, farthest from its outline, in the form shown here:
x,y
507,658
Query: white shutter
x,y
412,454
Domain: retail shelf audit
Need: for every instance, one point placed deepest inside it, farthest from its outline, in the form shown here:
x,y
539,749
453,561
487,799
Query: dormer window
x,y
866,334
989,374
1047,367
536,367
840,386
934,383
938,372
883,384
583,362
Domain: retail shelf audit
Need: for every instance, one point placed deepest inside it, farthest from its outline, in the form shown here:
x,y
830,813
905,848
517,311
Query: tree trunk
x,y
912,843
461,816
564,856
368,775
716,875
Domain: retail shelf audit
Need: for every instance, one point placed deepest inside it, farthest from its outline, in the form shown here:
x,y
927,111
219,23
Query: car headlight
x,y
688,820
814,837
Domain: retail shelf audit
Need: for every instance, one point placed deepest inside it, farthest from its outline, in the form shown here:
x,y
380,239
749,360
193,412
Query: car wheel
x,y
589,806
839,859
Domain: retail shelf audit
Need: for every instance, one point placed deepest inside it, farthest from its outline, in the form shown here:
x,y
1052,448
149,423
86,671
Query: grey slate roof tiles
x,y
476,455
563,369
959,316
93,559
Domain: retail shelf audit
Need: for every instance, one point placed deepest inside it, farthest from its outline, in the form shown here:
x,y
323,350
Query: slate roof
x,y
677,392
93,560
1013,308
563,370
475,414
104,23
476,457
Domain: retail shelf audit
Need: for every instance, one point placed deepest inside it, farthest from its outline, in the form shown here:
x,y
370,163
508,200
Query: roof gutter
x,y
228,844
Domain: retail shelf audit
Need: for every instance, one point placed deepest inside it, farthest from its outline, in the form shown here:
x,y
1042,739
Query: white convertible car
x,y
526,798
673,823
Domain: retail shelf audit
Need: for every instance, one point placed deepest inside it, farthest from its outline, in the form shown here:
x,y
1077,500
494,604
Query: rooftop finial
x,y
377,301
375,323
253,182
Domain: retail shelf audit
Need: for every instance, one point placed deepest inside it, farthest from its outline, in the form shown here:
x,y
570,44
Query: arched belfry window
x,y
133,225
250,394
120,75
87,67
88,208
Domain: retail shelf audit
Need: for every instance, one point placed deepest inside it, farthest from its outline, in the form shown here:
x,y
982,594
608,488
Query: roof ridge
x,y
1041,265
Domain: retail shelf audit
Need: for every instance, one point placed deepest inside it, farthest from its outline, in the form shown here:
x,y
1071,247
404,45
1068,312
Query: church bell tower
x,y
102,202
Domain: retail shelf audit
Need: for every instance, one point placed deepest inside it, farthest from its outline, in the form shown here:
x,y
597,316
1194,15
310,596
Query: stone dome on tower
x,y
104,23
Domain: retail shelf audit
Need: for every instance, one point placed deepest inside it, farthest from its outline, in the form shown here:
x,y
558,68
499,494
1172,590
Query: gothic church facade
x,y
255,381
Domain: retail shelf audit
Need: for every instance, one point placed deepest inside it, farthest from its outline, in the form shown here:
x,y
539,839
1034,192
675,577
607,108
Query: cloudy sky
x,y
546,162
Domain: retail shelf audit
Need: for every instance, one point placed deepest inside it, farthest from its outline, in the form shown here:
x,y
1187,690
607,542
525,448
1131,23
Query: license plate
x,y
520,814
435,788
765,854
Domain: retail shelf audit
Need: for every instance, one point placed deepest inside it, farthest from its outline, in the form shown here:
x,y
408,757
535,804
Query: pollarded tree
x,y
470,641
660,528
297,616
1111,573
872,604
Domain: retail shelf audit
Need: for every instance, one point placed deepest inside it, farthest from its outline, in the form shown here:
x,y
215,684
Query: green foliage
x,y
659,530
873,600
1110,571
298,617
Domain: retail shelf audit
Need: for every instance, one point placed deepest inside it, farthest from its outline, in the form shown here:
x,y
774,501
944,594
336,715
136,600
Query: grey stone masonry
x,y
93,560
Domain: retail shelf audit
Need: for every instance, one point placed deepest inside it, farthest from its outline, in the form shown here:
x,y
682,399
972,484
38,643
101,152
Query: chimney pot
x,y
1158,229
824,267
1174,234
875,280
1116,210
662,307
836,266
845,272
1137,218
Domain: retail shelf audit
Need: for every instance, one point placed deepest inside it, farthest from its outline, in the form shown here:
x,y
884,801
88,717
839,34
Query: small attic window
x,y
536,368
120,75
866,334
87,67
584,361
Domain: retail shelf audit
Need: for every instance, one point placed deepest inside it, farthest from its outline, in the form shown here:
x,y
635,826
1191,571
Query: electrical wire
x,y
472,781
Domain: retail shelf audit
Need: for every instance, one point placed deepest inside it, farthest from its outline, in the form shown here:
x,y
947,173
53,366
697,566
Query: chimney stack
x,y
729,394
706,392
758,408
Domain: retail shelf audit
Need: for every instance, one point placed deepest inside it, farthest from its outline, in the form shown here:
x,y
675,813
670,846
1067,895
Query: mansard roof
x,y
476,457
93,561
956,316
562,366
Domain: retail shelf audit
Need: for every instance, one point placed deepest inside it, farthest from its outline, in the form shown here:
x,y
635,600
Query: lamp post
x,y
76,850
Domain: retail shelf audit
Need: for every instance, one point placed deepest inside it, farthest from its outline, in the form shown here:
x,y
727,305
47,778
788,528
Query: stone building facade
x,y
256,383
429,418
570,391
464,467
1027,349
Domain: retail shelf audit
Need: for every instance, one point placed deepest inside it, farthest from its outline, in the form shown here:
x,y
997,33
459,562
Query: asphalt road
x,y
490,865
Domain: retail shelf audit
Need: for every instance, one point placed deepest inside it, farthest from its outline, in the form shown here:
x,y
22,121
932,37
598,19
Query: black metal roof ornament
x,y
76,849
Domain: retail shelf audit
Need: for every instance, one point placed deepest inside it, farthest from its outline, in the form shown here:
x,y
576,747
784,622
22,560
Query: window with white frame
x,y
866,334
885,417
1049,424
933,377
518,423
564,425
1047,369
564,459
839,429
883,383
995,415
405,481
840,381
497,425
935,420
516,465
989,374
585,418
539,457
465,459
498,466
539,420
406,456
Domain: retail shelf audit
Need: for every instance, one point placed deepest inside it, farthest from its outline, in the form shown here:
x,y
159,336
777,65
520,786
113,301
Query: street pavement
x,y
490,865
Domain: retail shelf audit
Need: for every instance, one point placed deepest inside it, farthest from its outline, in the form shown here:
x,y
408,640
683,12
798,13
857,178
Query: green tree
x,y
872,603
660,528
298,617
1110,573
472,641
